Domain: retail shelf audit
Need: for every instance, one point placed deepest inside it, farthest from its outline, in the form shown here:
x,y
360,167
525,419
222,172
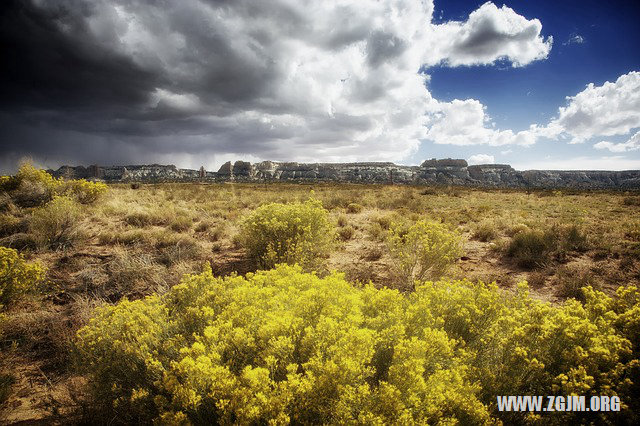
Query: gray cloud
x,y
192,82
383,47
485,37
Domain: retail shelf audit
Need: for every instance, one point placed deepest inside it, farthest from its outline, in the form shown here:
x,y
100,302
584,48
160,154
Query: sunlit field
x,y
174,303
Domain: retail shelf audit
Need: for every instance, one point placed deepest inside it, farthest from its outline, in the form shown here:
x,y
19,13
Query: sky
x,y
535,84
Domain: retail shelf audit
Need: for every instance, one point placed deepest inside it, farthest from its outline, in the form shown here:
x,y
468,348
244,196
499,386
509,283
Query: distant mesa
x,y
446,162
446,171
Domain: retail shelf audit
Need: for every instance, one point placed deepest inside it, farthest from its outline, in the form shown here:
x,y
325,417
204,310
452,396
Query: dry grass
x,y
132,273
346,233
354,208
571,279
373,254
537,279
55,225
6,382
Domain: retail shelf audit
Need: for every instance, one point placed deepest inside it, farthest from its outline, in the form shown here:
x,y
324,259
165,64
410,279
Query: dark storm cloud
x,y
44,67
96,81
190,81
66,93
57,81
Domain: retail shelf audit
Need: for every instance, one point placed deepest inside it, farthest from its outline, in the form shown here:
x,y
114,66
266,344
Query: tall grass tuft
x,y
55,226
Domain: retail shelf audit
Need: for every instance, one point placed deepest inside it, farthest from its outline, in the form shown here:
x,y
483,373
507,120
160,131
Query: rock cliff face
x,y
445,172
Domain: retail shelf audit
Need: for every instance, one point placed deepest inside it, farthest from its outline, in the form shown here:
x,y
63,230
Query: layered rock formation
x,y
445,172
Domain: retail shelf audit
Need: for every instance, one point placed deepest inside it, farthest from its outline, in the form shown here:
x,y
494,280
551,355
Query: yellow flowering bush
x,y
623,312
84,191
17,276
424,250
522,346
32,187
288,233
275,347
283,346
28,173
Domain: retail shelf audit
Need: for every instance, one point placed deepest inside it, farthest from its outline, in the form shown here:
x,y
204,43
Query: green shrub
x,y
143,219
485,231
537,279
373,254
20,241
423,250
282,346
210,230
383,221
129,237
9,225
572,239
516,229
632,230
216,234
17,276
55,225
287,233
631,201
378,227
134,273
360,273
354,208
376,232
204,226
7,205
336,201
533,248
530,249
178,248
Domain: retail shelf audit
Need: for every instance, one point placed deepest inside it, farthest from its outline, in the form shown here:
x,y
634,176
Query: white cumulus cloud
x,y
612,109
488,35
608,110
633,144
465,122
